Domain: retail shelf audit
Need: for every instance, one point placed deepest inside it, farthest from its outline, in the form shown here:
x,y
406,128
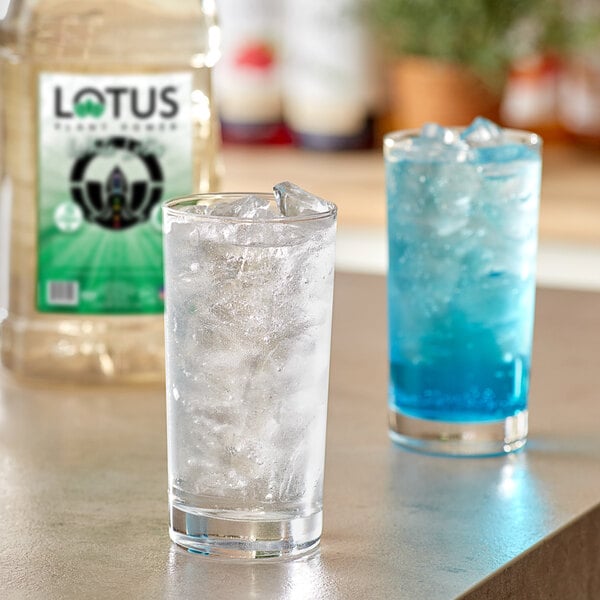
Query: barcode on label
x,y
63,293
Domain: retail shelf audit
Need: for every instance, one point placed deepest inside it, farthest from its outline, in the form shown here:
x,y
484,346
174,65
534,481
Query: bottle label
x,y
111,150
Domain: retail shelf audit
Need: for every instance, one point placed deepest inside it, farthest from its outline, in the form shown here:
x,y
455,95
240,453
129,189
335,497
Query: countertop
x,y
84,506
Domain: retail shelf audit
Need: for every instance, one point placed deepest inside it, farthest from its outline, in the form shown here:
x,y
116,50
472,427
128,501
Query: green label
x,y
111,150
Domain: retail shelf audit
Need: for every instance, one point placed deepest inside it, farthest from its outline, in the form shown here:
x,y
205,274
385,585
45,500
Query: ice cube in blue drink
x,y
483,132
489,143
432,132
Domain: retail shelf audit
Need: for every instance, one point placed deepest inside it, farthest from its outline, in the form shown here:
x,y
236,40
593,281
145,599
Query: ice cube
x,y
249,207
293,201
435,143
435,132
482,132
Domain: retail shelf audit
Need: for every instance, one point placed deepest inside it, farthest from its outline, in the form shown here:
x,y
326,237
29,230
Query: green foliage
x,y
484,35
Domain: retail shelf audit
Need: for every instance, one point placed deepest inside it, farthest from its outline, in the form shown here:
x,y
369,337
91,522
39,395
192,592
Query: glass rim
x,y
174,208
523,136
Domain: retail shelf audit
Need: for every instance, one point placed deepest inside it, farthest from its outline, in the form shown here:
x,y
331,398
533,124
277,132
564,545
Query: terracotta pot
x,y
425,90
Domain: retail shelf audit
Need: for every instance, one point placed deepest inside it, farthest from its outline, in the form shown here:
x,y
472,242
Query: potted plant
x,y
451,59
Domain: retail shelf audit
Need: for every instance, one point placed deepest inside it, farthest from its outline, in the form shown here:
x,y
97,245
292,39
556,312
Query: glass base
x,y
213,535
459,439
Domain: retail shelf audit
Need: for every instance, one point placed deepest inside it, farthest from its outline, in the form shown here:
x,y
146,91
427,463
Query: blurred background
x,y
306,89
336,75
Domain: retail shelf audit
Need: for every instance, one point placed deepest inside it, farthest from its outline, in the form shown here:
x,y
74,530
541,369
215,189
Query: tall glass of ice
x,y
248,294
462,230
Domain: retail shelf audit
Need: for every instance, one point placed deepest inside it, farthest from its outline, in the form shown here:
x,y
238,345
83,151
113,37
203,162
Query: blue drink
x,y
462,226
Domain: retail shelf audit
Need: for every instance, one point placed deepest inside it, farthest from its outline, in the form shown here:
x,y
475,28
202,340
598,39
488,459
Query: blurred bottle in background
x,y
579,96
106,111
531,95
248,76
330,78
554,83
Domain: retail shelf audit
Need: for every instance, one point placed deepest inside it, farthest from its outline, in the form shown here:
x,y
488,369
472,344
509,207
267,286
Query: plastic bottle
x,y
329,83
106,112
248,76
579,97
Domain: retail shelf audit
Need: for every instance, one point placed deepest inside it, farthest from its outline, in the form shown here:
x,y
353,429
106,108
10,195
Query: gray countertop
x,y
84,508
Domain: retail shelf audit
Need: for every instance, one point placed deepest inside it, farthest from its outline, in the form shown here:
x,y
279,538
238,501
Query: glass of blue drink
x,y
462,228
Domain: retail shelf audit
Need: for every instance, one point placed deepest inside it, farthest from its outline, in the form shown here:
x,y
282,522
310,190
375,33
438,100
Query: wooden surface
x,y
570,208
83,487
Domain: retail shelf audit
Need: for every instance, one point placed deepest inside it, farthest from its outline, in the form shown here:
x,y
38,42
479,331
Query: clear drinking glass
x,y
462,227
248,326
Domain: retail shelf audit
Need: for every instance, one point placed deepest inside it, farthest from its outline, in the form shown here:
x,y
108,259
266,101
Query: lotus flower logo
x,y
117,183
